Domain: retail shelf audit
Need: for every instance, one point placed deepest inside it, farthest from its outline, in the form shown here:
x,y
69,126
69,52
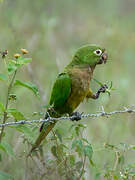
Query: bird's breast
x,y
80,81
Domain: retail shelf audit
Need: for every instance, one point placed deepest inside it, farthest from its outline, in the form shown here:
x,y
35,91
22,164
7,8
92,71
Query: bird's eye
x,y
98,52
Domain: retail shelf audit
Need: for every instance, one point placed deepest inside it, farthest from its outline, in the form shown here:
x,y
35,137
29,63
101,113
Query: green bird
x,y
72,86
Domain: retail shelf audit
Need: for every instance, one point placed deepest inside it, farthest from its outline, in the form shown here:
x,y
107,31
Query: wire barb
x,y
51,119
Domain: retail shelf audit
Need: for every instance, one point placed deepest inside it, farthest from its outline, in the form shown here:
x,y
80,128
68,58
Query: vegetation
x,y
97,149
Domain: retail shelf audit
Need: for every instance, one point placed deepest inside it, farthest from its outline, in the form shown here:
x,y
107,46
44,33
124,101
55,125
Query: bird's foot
x,y
103,89
76,116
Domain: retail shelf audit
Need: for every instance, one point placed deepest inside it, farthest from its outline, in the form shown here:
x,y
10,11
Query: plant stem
x,y
82,171
7,102
117,160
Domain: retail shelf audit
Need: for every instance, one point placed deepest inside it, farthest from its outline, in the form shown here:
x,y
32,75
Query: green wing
x,y
61,90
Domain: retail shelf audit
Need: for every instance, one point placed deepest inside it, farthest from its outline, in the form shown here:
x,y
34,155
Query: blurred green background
x,y
52,31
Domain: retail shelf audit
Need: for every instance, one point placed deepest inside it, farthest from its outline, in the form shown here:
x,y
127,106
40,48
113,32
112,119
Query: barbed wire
x,y
51,119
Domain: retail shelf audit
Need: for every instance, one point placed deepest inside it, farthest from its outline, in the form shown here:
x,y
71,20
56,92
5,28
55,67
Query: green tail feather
x,y
45,129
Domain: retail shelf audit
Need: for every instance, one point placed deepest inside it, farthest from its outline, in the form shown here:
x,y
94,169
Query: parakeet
x,y
72,86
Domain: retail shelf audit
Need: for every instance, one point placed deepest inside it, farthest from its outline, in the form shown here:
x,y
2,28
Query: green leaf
x,y
14,64
45,106
92,163
5,176
11,67
54,151
60,150
28,132
85,140
64,146
88,151
121,159
21,61
132,174
82,125
77,130
77,144
111,84
132,147
58,135
30,86
97,176
2,108
3,77
110,146
16,114
7,148
2,147
98,82
116,177
82,172
72,159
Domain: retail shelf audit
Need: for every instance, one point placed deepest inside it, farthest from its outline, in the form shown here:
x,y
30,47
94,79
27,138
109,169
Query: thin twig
x,y
51,119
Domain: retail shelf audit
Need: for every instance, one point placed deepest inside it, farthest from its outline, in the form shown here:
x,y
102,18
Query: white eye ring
x,y
98,52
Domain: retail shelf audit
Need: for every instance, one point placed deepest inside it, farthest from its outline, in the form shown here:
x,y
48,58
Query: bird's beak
x,y
103,58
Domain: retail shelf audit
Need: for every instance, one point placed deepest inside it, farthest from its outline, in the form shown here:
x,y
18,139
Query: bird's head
x,y
91,55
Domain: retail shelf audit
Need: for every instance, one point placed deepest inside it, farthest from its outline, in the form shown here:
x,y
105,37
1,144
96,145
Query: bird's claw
x,y
103,89
76,116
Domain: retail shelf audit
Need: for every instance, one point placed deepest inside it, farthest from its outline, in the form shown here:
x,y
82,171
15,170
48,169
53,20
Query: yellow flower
x,y
17,55
24,51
